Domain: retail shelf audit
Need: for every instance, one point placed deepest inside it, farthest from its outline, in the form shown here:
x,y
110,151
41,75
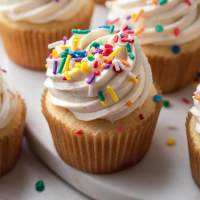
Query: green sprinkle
x,y
91,58
101,96
128,47
40,186
61,65
65,53
166,103
159,28
162,2
79,31
112,28
95,44
131,55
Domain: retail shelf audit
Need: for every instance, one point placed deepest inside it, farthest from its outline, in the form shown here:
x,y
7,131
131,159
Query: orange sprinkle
x,y
139,30
197,97
129,104
125,63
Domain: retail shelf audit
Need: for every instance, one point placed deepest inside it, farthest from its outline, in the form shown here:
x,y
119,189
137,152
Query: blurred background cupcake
x,y
99,101
100,1
12,117
193,135
28,26
169,34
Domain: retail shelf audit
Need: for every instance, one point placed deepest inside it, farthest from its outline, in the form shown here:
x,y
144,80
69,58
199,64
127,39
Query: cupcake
x,y
100,1
12,117
169,34
98,100
28,26
193,136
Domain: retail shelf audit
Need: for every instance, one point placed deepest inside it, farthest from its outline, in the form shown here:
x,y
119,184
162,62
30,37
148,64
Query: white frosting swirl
x,y
82,98
41,11
8,101
195,110
174,16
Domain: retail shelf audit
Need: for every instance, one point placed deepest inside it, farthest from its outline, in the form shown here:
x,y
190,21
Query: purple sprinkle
x,y
64,40
55,65
128,17
90,78
3,70
106,66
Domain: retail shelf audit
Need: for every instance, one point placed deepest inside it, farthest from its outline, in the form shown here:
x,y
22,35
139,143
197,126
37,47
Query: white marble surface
x,y
19,184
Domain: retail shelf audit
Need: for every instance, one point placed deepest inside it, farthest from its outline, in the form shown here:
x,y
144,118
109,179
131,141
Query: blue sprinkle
x,y
157,98
104,27
175,49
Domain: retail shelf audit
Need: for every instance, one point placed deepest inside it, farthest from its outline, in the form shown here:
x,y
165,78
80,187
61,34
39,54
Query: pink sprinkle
x,y
128,40
109,22
186,101
78,132
125,27
177,31
188,2
116,38
141,116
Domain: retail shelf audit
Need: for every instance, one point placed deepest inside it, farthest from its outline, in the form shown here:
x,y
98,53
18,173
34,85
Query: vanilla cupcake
x,y
100,1
193,135
169,34
12,117
99,100
28,26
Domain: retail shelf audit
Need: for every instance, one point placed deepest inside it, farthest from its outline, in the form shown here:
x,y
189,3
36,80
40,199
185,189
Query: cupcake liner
x,y
194,151
11,139
26,44
102,152
174,72
100,1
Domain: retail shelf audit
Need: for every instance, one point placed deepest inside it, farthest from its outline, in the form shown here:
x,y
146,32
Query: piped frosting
x,y
98,74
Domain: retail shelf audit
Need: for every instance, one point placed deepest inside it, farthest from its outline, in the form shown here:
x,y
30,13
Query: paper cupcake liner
x,y
100,1
101,153
174,72
28,46
10,143
194,152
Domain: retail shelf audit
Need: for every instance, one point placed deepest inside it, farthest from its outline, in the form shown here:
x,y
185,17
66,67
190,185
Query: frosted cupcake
x,y
100,1
12,117
28,26
169,34
193,135
99,100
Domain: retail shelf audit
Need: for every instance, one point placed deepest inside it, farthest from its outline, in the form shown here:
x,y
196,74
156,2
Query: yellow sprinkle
x,y
63,47
55,54
133,79
171,141
114,53
77,65
112,93
104,103
90,54
46,66
74,71
135,17
85,67
67,76
75,43
67,62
